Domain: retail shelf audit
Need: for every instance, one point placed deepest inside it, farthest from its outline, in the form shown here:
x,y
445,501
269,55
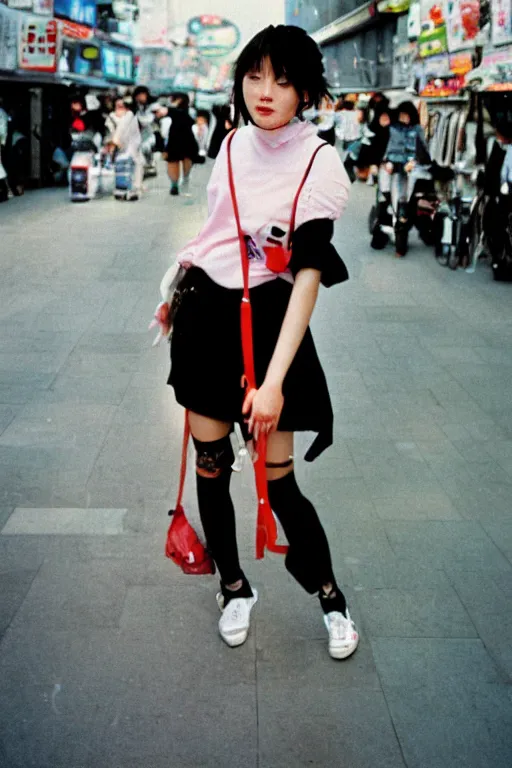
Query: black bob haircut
x,y
409,109
293,53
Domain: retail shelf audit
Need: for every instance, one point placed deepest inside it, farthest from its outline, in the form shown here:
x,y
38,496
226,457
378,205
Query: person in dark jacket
x,y
407,144
181,145
223,126
375,140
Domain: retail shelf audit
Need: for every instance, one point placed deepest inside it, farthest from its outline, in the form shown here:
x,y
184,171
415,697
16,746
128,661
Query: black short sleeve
x,y
312,249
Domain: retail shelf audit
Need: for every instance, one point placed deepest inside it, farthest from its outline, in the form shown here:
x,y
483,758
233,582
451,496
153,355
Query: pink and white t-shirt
x,y
268,167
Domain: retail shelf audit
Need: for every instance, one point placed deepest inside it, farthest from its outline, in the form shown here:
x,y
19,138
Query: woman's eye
x,y
254,76
284,83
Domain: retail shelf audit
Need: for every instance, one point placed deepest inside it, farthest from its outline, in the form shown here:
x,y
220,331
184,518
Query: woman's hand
x,y
389,167
410,166
263,406
161,321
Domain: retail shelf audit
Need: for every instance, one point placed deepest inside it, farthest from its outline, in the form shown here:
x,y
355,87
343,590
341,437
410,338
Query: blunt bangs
x,y
292,53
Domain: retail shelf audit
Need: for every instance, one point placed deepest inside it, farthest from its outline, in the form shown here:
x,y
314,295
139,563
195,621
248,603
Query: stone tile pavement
x,y
109,656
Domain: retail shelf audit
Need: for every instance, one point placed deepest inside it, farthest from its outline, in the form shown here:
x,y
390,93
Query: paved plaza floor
x,y
109,655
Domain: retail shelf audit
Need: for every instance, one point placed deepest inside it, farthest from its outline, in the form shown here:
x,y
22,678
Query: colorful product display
x,y
449,38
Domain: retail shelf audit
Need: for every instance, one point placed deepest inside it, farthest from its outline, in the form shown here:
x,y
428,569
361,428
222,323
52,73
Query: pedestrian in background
x,y
201,130
278,75
348,129
325,121
223,125
181,146
124,136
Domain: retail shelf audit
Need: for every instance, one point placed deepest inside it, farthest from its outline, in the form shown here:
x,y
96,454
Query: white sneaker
x,y
235,620
343,635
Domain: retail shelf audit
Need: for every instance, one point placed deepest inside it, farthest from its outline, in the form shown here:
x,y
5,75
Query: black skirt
x,y
207,365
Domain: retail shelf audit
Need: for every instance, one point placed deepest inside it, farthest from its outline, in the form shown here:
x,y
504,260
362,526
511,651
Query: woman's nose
x,y
266,90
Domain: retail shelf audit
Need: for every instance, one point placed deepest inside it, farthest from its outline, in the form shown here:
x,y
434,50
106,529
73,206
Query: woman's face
x,y
384,120
270,102
404,118
120,107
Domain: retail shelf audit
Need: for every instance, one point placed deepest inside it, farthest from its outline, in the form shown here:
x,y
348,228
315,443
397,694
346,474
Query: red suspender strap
x,y
297,195
266,528
183,470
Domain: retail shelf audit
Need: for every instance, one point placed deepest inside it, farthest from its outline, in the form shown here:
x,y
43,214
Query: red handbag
x,y
183,545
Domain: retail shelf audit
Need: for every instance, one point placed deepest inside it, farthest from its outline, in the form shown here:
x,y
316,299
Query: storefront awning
x,y
348,23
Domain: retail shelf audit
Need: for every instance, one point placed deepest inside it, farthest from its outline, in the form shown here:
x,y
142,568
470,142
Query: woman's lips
x,y
264,110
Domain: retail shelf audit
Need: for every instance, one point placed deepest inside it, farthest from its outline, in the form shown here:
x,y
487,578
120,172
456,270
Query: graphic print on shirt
x,y
253,252
275,248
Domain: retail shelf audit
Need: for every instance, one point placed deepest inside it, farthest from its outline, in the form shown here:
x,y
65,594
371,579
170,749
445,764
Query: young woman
x,y
278,74
181,144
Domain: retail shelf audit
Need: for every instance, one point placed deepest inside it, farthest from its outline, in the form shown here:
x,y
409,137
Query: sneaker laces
x,y
233,610
339,625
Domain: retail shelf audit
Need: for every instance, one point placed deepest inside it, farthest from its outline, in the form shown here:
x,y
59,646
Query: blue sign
x,y
79,11
117,63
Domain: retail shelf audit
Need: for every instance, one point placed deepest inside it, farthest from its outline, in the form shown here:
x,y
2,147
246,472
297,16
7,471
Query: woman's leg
x,y
309,557
187,167
213,466
213,476
173,171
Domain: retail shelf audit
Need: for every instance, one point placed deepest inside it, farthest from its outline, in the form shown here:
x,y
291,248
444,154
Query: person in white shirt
x,y
201,131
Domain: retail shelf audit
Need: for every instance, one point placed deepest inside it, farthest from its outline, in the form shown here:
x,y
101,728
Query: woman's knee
x,y
213,458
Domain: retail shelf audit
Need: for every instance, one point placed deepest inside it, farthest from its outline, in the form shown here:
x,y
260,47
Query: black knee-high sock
x,y
309,557
216,507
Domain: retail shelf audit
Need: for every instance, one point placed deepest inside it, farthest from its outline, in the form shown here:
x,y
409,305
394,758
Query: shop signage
x,y
152,23
42,7
81,11
432,40
8,38
439,81
495,71
38,44
393,6
79,58
213,36
463,23
437,66
75,31
461,63
414,21
117,63
154,66
501,11
443,87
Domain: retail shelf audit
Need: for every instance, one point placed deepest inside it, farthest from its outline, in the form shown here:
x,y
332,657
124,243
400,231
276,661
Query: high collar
x,y
295,129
